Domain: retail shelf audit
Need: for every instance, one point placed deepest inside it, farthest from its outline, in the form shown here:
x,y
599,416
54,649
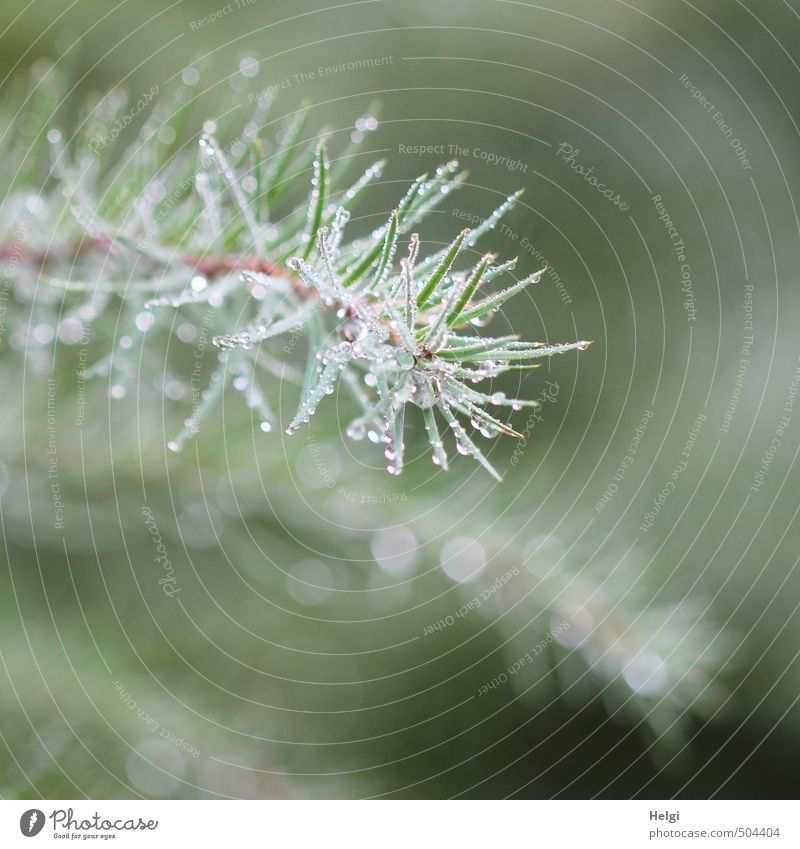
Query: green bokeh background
x,y
345,696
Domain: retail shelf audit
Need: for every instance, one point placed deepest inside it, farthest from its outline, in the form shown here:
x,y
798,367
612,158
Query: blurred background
x,y
619,616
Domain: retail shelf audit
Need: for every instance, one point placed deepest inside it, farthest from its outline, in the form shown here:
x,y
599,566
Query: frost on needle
x,y
224,225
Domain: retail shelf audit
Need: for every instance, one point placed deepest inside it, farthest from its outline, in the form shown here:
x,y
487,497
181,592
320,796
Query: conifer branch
x,y
221,227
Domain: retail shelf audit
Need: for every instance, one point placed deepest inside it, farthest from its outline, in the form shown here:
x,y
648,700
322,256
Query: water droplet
x,y
356,430
248,67
144,320
43,334
166,135
70,331
463,559
174,390
404,359
34,204
190,76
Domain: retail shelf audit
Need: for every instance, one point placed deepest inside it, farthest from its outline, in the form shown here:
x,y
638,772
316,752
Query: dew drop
x,y
34,204
404,359
43,334
356,430
144,320
190,76
248,67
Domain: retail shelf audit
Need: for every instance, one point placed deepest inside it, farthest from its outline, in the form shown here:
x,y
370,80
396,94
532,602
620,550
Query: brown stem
x,y
208,266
